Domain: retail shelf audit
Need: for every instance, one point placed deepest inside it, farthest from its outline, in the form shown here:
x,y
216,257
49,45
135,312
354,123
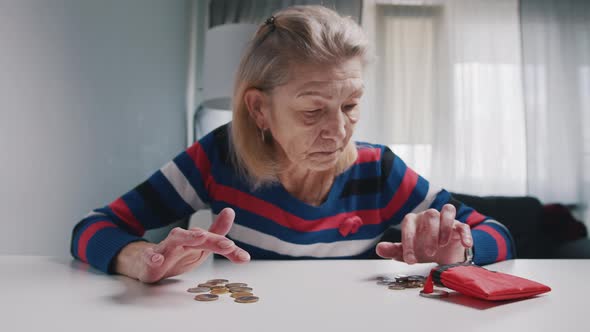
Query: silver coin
x,y
437,293
206,297
247,299
198,290
218,281
416,278
236,284
240,289
385,281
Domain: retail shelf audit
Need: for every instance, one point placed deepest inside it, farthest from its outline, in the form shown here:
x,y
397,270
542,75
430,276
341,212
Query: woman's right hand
x,y
181,251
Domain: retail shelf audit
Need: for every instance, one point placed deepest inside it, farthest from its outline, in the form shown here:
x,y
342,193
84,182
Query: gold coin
x,y
236,295
198,290
414,284
218,291
236,284
396,287
247,299
218,281
240,289
206,297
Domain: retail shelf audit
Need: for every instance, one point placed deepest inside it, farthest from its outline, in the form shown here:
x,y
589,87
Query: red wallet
x,y
476,281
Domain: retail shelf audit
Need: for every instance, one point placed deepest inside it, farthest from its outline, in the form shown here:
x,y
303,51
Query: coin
x,y
218,281
396,287
236,284
247,299
414,284
416,278
236,295
240,289
206,297
385,281
437,293
198,290
218,291
398,283
208,285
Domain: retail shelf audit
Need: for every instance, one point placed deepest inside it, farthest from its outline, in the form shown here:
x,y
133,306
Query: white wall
x,y
92,97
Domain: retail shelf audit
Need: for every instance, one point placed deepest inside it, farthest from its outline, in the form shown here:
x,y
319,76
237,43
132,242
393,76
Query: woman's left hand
x,y
430,236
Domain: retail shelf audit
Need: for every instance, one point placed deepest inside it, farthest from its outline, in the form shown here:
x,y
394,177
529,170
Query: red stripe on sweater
x,y
88,234
402,194
270,211
367,155
475,218
202,163
500,241
122,211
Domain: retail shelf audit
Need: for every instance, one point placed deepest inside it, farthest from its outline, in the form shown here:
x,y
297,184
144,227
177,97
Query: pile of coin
x,y
211,290
401,282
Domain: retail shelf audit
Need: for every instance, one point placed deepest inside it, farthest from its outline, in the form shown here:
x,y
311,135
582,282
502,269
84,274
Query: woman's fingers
x,y
465,232
223,222
429,224
391,250
197,238
179,237
408,237
447,221
151,258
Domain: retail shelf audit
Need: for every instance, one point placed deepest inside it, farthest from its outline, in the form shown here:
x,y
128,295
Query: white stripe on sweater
x,y
319,250
430,196
182,186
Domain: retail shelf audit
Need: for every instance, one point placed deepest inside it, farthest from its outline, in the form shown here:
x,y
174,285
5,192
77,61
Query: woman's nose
x,y
335,126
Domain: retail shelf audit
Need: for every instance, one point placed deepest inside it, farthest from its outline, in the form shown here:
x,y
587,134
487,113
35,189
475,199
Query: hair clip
x,y
270,20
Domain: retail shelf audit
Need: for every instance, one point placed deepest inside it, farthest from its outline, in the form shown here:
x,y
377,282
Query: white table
x,y
51,294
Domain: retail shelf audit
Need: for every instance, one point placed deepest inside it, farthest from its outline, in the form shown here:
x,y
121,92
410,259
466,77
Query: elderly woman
x,y
284,179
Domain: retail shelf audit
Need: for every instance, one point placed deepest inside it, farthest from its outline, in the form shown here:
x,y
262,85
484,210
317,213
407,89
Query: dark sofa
x,y
539,231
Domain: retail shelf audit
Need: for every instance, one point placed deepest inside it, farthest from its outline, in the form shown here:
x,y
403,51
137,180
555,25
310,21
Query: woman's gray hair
x,y
295,35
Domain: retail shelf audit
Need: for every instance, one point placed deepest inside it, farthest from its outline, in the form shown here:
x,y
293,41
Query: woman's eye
x,y
313,113
349,107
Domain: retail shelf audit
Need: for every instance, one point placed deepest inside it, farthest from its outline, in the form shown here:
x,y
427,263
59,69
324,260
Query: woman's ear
x,y
255,100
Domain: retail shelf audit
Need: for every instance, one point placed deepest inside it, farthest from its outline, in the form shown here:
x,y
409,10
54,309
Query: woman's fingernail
x,y
155,258
244,256
225,244
198,232
429,252
468,241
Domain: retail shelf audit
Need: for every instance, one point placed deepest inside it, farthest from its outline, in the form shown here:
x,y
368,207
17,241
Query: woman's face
x,y
312,117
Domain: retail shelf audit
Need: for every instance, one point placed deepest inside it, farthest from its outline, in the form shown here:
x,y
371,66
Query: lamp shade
x,y
224,45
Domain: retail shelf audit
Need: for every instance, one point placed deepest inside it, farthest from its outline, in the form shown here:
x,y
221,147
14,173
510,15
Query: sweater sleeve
x,y
492,241
174,192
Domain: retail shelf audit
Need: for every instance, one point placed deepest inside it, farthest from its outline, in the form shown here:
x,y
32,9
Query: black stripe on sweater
x,y
154,202
371,185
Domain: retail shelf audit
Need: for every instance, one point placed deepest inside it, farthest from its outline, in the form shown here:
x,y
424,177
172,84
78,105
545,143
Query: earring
x,y
262,135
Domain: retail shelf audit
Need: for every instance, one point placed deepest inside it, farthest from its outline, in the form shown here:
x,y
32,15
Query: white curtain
x,y
556,55
449,91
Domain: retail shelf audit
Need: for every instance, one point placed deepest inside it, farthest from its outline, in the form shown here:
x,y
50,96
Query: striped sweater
x,y
364,201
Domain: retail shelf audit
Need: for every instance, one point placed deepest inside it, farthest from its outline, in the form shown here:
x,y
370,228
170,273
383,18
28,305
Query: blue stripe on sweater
x,y
170,196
